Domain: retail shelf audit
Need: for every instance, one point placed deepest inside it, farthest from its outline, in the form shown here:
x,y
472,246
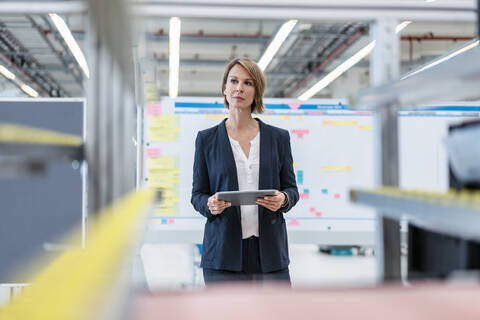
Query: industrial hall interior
x,y
220,159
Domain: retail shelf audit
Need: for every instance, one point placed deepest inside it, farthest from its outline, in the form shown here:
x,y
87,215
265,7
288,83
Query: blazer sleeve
x,y
201,184
288,182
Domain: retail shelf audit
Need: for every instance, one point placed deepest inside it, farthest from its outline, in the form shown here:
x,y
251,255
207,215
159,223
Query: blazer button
x,y
273,221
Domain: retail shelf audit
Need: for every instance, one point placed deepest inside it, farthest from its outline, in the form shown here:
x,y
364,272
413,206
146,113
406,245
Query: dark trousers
x,y
251,268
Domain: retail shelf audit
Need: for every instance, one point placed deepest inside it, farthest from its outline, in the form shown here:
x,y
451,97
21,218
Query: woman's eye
x,y
248,83
233,80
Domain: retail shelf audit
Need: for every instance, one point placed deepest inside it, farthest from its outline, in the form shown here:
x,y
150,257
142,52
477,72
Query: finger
x,y
272,198
268,202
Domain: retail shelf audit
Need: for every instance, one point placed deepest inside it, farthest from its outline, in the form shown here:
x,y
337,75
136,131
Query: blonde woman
x,y
242,153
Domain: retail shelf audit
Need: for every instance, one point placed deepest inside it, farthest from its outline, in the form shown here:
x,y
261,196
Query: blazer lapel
x,y
265,153
226,151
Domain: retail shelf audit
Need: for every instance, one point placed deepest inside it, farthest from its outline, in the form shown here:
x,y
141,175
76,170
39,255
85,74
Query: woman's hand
x,y
217,206
272,203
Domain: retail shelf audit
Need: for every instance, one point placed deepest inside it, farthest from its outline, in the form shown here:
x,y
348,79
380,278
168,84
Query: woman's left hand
x,y
272,203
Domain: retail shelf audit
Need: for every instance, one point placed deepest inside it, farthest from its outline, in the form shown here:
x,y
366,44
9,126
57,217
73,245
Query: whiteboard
x,y
333,151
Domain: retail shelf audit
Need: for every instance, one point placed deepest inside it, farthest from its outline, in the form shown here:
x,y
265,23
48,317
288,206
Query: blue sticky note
x,y
164,221
324,191
306,191
300,176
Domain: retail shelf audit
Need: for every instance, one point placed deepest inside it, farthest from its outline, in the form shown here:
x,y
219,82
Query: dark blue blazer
x,y
214,170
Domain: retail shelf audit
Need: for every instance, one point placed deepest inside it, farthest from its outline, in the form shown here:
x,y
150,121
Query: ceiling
x,y
33,50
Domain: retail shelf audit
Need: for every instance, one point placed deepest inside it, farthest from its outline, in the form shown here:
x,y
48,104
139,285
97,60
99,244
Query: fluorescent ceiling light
x,y
342,68
6,73
438,61
276,43
402,26
71,43
174,58
337,72
28,90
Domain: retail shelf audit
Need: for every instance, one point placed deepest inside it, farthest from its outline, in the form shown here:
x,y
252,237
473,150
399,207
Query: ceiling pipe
x,y
24,75
327,60
431,37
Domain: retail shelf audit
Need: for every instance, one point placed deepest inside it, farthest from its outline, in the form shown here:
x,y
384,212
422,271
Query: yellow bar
x,y
13,133
76,284
339,123
336,168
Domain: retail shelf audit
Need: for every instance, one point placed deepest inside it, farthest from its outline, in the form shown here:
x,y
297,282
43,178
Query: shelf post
x,y
384,67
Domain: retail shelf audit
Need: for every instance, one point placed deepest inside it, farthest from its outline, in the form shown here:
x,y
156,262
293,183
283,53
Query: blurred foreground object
x,y
91,283
433,301
464,153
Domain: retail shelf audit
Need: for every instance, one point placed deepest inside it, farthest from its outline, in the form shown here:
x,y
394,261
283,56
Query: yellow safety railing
x,y
75,284
12,133
464,197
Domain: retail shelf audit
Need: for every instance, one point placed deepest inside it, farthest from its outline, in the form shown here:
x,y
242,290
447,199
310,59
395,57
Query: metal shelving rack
x,y
456,78
454,213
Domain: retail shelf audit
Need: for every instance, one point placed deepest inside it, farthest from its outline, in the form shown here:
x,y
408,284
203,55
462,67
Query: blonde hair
x,y
259,82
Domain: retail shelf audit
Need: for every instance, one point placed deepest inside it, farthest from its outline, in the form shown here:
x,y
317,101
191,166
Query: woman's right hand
x,y
217,206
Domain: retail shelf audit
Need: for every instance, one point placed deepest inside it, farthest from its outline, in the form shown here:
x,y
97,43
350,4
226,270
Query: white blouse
x,y
248,176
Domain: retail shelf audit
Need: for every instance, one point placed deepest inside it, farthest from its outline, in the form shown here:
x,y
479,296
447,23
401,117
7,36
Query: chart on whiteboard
x,y
331,147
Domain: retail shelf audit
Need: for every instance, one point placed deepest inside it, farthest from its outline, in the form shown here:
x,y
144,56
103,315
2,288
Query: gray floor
x,y
176,267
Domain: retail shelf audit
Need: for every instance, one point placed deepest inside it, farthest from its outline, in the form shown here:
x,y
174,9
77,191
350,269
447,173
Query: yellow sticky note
x,y
269,117
285,117
294,163
161,183
336,168
299,117
365,127
168,193
164,162
165,211
162,121
163,134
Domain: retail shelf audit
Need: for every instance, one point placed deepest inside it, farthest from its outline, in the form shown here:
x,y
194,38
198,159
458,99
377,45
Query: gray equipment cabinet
x,y
37,208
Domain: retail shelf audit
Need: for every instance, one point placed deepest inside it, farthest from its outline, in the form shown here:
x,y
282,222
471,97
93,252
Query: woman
x,y
243,153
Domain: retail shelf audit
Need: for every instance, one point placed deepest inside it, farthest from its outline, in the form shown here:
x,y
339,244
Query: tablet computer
x,y
242,198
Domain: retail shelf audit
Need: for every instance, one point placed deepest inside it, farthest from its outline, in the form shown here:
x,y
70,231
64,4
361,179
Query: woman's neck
x,y
239,120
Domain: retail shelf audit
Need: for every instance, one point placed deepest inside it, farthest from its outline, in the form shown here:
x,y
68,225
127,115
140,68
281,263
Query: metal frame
x,y
248,9
454,216
310,10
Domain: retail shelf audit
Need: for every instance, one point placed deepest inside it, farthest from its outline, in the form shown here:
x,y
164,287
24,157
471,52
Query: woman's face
x,y
239,89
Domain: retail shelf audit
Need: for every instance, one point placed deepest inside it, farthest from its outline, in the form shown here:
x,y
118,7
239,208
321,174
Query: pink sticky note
x,y
294,105
336,195
171,221
294,222
154,152
300,132
304,196
154,109
318,214
312,209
